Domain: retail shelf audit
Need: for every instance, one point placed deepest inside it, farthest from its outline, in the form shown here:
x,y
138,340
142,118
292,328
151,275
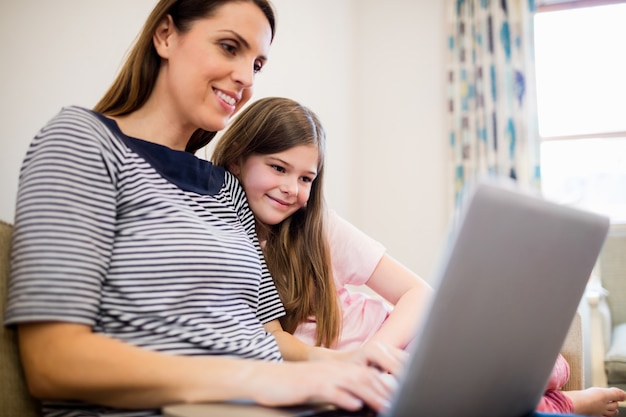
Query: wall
x,y
373,71
401,165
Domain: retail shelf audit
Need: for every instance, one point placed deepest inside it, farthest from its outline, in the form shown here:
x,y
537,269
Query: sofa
x,y
15,400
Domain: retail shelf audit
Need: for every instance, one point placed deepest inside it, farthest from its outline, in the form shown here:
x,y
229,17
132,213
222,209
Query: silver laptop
x,y
508,286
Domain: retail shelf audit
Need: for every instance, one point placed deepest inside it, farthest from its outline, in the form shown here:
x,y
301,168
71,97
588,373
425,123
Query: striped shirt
x,y
143,243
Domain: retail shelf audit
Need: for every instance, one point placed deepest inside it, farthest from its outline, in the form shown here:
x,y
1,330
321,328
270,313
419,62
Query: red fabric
x,y
553,400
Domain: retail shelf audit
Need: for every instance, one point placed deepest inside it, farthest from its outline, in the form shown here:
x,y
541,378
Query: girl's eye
x,y
307,179
277,168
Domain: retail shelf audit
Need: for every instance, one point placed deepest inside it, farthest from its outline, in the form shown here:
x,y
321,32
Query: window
x,y
581,100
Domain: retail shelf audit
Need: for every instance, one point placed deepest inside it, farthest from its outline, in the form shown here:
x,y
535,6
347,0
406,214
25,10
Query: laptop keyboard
x,y
335,412
345,413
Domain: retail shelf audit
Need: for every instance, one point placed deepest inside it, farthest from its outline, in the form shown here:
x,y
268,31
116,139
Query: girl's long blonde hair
x,y
296,250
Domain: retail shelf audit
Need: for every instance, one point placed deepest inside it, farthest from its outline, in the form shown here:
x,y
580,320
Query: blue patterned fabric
x,y
491,94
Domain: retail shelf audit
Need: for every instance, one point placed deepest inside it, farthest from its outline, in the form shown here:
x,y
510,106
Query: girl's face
x,y
209,71
279,184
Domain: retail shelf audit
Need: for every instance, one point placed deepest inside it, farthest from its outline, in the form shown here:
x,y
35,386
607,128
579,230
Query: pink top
x,y
354,256
553,400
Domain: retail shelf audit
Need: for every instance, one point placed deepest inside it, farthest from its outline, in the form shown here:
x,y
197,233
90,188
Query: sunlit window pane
x,y
581,70
586,173
581,91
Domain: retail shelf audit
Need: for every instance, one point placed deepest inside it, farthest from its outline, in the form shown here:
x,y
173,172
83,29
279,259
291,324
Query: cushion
x,y
615,359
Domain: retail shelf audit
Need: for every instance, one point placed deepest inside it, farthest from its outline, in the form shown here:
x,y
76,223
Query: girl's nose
x,y
290,186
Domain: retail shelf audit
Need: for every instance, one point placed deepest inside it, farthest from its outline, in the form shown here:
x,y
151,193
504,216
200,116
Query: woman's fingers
x,y
345,384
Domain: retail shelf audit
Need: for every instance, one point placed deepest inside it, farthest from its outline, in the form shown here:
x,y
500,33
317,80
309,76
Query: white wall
x,y
373,71
400,172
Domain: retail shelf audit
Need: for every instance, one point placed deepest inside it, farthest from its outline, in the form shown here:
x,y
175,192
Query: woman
x,y
137,279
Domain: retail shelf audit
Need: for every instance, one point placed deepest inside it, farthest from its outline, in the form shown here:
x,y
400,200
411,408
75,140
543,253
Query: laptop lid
x,y
506,290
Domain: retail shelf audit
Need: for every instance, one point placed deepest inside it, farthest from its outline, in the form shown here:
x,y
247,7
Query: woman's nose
x,y
243,73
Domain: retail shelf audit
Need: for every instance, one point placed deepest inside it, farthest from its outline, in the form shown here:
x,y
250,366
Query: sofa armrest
x,y
598,332
572,351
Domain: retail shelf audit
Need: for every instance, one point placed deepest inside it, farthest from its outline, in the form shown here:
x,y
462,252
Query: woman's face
x,y
209,71
279,184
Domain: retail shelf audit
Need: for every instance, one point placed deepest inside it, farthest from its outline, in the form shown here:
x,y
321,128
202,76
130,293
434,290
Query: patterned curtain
x,y
492,102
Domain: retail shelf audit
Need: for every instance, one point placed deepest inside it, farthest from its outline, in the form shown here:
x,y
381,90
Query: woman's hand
x,y
345,384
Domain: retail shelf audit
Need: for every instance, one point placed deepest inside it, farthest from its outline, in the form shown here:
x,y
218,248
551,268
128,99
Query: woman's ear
x,y
162,37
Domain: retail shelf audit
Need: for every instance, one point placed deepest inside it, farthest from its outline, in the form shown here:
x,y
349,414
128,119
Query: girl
x,y
276,149
135,281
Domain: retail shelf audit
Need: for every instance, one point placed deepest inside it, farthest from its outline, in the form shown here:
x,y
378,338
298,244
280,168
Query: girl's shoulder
x,y
354,254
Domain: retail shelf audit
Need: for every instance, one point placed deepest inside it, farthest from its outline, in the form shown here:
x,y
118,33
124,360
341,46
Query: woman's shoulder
x,y
78,136
76,113
76,122
233,187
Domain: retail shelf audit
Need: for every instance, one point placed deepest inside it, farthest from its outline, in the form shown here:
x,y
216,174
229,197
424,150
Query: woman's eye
x,y
231,49
258,67
277,168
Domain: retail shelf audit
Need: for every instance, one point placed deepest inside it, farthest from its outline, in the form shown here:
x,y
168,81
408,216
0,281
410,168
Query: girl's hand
x,y
385,358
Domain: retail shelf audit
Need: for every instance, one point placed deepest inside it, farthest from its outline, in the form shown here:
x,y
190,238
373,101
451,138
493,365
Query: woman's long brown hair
x,y
135,82
296,250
